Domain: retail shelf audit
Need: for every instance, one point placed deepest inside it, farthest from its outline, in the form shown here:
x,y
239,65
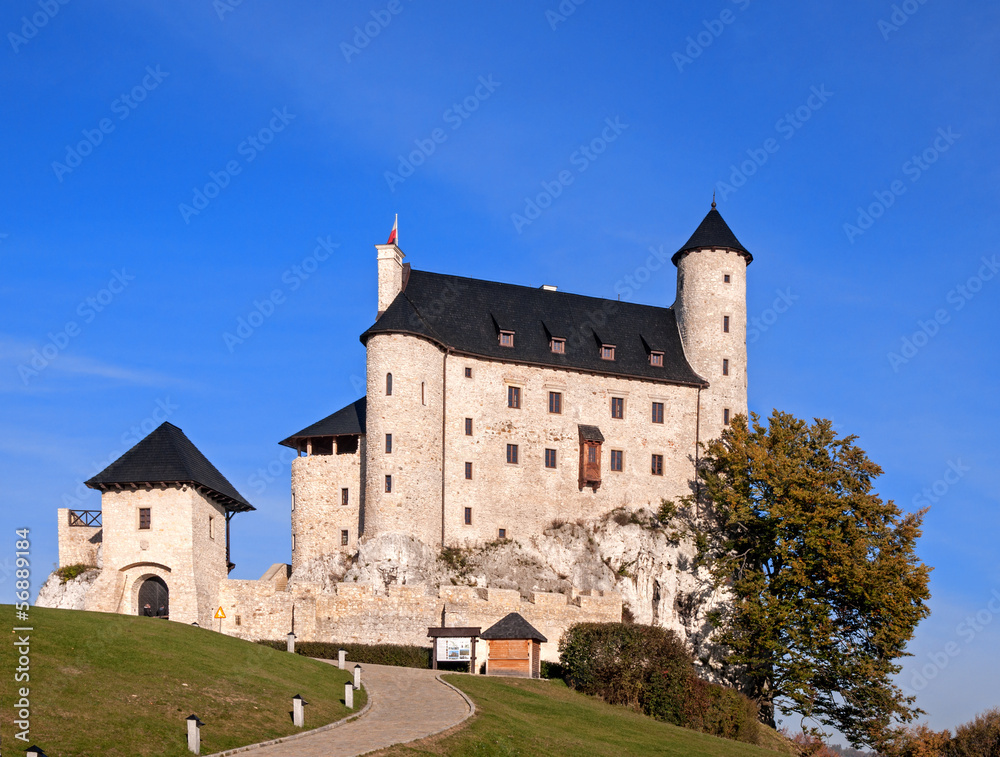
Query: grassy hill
x,y
523,717
121,686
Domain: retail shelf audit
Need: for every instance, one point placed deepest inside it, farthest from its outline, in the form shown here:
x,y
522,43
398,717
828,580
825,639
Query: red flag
x,y
393,234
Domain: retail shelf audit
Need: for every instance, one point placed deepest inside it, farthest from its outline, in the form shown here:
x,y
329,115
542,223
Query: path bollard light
x,y
34,751
342,659
349,695
357,676
298,711
194,733
291,643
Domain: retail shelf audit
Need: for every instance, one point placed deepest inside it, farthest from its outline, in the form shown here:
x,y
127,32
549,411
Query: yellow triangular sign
x,y
219,613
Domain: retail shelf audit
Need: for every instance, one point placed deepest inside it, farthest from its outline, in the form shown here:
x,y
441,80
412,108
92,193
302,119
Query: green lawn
x,y
523,717
121,686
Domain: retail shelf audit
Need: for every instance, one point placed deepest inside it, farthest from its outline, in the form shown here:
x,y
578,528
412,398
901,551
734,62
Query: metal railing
x,y
90,518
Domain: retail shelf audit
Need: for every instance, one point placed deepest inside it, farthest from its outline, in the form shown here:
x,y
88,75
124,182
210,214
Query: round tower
x,y
711,314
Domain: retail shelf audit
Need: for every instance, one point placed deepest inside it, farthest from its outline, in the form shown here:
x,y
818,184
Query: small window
x,y
617,460
468,516
725,324
423,396
344,538
468,372
145,519
506,338
657,467
514,397
726,279
725,366
656,359
388,484
211,527
617,407
725,416
293,502
468,470
558,346
388,385
657,412
293,542
345,496
607,352
555,402
592,453
239,620
512,454
550,458
468,426
388,444
503,533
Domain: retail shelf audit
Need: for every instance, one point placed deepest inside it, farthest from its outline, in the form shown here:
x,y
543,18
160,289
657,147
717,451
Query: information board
x,y
454,649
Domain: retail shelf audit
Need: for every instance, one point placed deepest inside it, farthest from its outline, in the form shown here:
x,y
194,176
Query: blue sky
x,y
852,147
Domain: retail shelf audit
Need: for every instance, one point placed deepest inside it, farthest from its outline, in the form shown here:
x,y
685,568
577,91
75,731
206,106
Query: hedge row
x,y
371,654
649,669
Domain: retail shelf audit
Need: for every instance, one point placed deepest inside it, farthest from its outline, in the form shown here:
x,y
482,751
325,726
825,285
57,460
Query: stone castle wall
x,y
78,545
354,613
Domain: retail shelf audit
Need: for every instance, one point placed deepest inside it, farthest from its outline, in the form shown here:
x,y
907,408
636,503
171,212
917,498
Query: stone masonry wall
x,y
78,545
354,613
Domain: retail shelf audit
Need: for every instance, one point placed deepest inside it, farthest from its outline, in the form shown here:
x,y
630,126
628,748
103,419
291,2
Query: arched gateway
x,y
154,598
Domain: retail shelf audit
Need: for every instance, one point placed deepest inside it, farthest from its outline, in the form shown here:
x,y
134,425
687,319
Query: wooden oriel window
x,y
514,397
468,516
558,346
388,484
345,537
590,463
657,465
657,412
512,454
656,359
607,352
506,338
468,426
617,407
550,458
555,402
725,324
468,470
617,460
725,366
145,519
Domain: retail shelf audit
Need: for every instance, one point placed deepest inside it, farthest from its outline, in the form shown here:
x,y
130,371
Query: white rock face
x,y
66,596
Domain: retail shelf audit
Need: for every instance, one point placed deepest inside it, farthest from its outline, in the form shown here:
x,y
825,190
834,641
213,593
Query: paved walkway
x,y
407,704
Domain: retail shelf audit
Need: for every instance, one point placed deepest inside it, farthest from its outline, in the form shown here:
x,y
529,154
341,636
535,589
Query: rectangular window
x,y
145,520
506,338
512,454
468,373
558,346
725,278
344,496
468,516
656,359
607,352
293,542
503,533
293,502
617,460
657,412
725,416
592,454
388,444
423,399
468,470
211,527
468,426
344,538
550,458
725,366
388,484
657,468
514,396
725,323
555,402
617,407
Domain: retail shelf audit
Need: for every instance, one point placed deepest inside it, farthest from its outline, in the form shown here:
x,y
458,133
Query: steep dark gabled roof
x,y
348,420
167,456
465,315
513,626
590,433
713,233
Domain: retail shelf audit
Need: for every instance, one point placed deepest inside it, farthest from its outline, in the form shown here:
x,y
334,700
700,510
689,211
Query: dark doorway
x,y
154,598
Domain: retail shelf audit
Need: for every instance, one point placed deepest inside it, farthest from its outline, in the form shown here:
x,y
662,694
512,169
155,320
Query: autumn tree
x,y
826,587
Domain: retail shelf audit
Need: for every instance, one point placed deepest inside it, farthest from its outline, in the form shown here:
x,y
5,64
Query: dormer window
x,y
506,338
558,346
607,352
656,359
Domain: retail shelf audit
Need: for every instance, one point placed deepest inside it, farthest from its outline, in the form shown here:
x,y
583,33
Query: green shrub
x,y
371,654
649,669
69,572
551,670
979,737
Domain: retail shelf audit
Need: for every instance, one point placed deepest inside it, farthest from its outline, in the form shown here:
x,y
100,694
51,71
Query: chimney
x,y
390,275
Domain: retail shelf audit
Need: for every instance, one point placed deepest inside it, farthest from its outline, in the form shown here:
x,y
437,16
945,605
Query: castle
x,y
492,410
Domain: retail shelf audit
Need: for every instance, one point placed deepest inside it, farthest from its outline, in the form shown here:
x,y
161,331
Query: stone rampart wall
x,y
77,544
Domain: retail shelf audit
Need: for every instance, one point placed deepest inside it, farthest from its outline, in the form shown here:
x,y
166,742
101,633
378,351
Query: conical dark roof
x,y
513,626
167,456
713,233
348,420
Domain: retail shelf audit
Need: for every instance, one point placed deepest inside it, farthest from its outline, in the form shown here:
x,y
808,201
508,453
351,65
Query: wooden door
x,y
154,598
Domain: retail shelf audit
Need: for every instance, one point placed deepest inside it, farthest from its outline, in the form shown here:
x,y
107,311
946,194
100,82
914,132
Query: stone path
x,y
407,704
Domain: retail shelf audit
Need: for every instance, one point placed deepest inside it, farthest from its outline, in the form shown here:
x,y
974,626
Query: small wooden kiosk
x,y
456,644
515,648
